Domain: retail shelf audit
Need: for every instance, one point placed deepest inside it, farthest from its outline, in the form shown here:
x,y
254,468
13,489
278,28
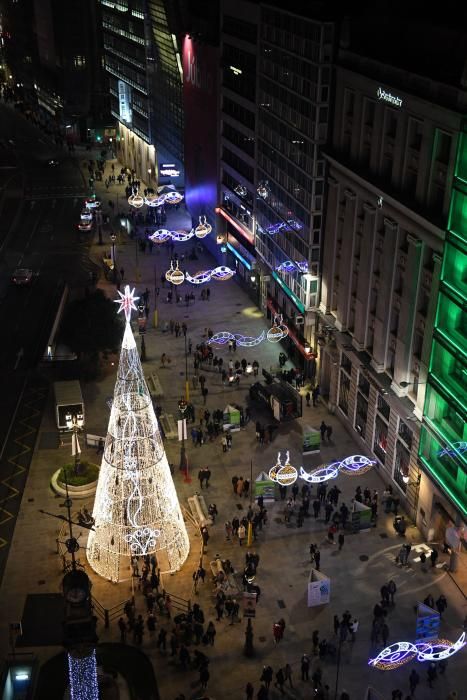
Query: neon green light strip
x,y
462,506
289,292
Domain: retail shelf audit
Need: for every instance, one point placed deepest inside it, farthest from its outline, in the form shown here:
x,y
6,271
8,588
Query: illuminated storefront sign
x,y
124,93
169,170
387,97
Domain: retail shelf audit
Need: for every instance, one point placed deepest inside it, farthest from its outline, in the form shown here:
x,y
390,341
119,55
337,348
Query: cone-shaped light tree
x,y
136,510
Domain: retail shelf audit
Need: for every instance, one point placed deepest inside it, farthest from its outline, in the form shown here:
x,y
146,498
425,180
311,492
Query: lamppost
x,y
113,238
156,291
182,406
75,424
187,385
249,540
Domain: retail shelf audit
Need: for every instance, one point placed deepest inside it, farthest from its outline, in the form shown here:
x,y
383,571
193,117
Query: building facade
x,y
143,63
390,167
276,90
238,116
55,64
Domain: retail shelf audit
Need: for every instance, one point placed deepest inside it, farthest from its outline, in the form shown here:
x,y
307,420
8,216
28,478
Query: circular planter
x,y
73,491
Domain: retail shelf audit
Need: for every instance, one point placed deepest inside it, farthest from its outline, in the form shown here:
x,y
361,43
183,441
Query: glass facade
x,y
167,80
293,98
444,432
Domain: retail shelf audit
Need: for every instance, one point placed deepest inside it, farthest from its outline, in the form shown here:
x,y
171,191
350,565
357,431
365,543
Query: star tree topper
x,y
127,302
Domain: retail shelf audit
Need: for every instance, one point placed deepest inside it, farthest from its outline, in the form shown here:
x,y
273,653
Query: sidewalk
x,y
366,561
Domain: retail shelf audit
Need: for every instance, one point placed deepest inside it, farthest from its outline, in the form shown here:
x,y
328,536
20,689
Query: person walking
x,y
305,666
234,480
266,676
204,676
328,433
433,557
432,674
241,534
249,691
322,430
307,398
392,588
211,633
341,540
280,680
288,675
239,487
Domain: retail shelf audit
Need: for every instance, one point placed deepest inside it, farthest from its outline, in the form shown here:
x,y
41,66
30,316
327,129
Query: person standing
x,y
305,666
241,534
392,588
249,691
307,398
123,630
317,559
201,476
341,540
322,430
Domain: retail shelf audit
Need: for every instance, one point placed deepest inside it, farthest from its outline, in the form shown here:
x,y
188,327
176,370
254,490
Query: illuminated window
x,y
79,61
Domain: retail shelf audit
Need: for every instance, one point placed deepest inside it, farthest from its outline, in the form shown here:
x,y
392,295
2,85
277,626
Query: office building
x,y
55,63
143,63
391,274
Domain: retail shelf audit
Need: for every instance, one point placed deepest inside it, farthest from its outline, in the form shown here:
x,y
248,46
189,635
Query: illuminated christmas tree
x,y
136,510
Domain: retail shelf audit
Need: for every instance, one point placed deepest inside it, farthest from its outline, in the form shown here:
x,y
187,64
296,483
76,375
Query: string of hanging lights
x,y
218,274
152,199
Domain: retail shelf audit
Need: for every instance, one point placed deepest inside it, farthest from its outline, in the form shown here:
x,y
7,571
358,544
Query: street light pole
x,y
156,313
182,406
187,385
75,424
113,238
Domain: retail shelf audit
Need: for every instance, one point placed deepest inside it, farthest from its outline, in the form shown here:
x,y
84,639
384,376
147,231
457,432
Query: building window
x,y
346,363
381,439
344,392
383,407
401,466
405,434
79,61
361,415
363,385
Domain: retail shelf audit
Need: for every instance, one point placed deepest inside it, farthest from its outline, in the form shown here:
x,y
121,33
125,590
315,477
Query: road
x,y
39,209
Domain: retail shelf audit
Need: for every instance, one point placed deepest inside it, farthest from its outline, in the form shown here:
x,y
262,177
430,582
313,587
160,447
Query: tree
x,y
136,511
91,325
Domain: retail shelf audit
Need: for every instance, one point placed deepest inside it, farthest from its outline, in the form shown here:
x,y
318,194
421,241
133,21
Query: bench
x,y
199,511
168,425
93,440
154,385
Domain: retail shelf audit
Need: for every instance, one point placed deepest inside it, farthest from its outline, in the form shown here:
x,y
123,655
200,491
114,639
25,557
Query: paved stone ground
x,y
34,567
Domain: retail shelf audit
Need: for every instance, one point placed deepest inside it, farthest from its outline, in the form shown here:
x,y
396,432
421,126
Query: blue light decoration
x,y
355,465
302,265
274,334
455,449
82,672
245,341
218,274
287,266
162,235
401,653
